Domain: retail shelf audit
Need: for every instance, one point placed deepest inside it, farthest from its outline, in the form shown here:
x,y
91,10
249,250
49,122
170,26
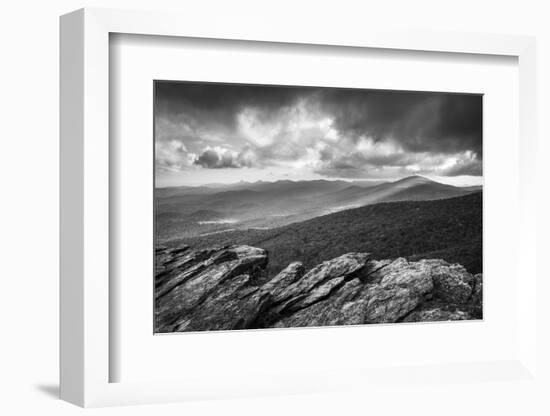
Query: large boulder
x,y
234,305
188,280
402,287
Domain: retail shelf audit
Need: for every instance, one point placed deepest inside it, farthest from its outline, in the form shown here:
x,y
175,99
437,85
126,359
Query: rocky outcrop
x,y
226,288
195,288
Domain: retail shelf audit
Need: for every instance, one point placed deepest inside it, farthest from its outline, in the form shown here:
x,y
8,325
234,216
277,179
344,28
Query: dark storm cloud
x,y
221,103
337,132
420,122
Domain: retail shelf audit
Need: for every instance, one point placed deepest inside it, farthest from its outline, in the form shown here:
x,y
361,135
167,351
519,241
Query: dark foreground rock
x,y
226,288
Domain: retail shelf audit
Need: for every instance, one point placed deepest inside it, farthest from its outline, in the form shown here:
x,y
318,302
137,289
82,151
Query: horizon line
x,y
209,184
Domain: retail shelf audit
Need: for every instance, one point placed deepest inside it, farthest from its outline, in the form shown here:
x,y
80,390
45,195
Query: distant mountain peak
x,y
413,181
414,178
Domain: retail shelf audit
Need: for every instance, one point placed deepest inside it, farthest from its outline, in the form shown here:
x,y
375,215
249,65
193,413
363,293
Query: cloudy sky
x,y
207,133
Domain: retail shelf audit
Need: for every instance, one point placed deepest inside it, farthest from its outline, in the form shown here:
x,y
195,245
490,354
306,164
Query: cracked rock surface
x,y
223,288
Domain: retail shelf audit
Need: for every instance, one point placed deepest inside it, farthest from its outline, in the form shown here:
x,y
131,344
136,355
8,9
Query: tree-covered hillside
x,y
450,229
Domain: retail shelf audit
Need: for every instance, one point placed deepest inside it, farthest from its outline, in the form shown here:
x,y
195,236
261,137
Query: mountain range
x,y
200,211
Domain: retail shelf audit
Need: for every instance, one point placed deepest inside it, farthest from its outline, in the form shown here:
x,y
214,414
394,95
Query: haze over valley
x,y
186,211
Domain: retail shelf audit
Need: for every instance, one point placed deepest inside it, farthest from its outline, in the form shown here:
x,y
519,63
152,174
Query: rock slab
x,y
226,288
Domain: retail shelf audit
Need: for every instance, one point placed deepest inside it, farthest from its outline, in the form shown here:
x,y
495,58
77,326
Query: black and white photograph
x,y
280,208
303,206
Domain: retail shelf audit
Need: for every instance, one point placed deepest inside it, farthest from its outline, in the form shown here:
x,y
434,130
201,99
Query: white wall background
x,y
29,204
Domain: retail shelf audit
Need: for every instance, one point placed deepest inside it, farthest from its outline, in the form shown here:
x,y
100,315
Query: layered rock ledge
x,y
225,288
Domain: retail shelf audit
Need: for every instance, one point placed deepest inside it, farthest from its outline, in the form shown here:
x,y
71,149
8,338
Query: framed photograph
x,y
236,208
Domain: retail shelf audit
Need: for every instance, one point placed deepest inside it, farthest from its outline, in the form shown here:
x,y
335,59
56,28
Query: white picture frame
x,y
85,165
